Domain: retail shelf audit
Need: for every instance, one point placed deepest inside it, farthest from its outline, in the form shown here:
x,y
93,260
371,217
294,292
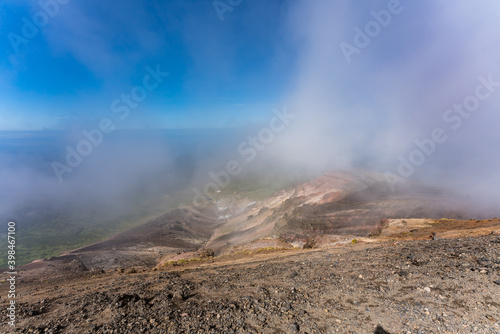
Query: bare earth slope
x,y
337,203
373,263
422,286
176,231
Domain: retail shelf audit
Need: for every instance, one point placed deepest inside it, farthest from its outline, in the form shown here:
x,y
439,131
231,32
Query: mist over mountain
x,y
195,100
233,166
402,87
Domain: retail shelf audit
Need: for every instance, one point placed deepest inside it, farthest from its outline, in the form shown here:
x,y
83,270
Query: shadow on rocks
x,y
380,330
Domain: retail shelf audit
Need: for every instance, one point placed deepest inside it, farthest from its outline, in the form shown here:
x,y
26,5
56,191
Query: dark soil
x,y
415,286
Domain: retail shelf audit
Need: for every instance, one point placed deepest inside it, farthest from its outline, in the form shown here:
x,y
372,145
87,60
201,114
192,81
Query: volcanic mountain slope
x,y
165,235
337,203
411,286
397,278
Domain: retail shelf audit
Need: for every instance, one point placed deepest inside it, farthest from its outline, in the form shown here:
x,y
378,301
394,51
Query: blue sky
x,y
227,72
369,109
233,72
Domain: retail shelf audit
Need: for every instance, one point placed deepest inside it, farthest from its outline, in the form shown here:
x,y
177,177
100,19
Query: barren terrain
x,y
448,285
330,255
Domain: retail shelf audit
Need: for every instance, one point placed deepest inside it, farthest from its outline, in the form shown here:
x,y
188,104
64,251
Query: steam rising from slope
x,y
366,113
112,169
129,169
370,111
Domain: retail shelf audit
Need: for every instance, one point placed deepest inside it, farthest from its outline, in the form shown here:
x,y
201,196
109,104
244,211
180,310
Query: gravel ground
x,y
419,286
